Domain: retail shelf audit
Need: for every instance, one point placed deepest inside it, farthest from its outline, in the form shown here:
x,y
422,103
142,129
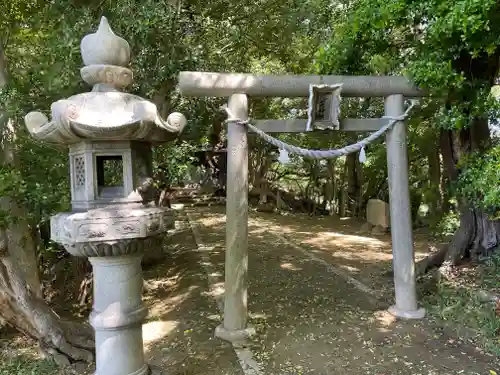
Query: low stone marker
x,y
377,216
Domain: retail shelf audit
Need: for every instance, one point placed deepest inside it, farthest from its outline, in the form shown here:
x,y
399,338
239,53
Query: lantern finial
x,y
104,47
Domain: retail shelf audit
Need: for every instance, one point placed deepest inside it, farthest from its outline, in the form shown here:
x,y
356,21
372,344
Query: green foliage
x,y
448,224
451,49
462,302
173,161
40,182
444,46
423,39
42,52
27,366
479,182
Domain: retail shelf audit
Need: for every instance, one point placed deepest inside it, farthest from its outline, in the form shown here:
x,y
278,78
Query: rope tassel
x,y
284,158
362,155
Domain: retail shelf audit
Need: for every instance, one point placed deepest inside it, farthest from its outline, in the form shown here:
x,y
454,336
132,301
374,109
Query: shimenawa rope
x,y
286,148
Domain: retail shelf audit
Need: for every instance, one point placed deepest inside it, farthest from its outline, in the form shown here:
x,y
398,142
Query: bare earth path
x,y
340,242
179,335
311,321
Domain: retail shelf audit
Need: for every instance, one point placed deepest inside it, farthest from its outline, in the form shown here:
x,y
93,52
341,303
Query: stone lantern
x,y
114,217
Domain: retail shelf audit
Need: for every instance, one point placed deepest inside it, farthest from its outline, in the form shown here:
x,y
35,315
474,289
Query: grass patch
x,y
490,278
464,302
19,356
24,365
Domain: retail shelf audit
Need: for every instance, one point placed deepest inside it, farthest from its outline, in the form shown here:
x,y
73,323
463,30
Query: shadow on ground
x,y
310,321
179,334
179,331
340,241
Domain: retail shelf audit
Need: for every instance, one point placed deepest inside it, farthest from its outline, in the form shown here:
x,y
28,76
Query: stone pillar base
x,y
415,314
234,336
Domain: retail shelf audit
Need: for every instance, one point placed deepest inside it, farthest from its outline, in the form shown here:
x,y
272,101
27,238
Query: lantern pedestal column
x,y
114,239
118,314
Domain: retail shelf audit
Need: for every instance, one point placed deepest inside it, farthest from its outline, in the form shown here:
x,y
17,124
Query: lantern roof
x,y
105,113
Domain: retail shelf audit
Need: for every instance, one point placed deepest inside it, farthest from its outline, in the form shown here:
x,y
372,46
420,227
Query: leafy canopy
x,y
450,48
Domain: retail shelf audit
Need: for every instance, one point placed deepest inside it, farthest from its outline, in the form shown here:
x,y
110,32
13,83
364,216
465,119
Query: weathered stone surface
x,y
115,76
105,47
378,229
377,213
111,224
117,315
105,113
366,228
116,248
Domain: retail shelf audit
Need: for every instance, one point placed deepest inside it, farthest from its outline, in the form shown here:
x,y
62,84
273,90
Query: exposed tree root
x,y
75,343
66,342
476,235
434,260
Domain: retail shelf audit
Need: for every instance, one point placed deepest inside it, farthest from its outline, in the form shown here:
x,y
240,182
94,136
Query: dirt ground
x,y
308,319
179,334
311,321
339,241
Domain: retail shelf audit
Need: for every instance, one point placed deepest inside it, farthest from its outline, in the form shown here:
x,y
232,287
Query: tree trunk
x,y
259,164
343,192
313,186
359,184
354,189
476,235
330,187
434,186
445,193
23,309
483,236
21,302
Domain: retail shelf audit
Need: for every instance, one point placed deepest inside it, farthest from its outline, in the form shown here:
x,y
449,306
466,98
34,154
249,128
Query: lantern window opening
x,y
110,176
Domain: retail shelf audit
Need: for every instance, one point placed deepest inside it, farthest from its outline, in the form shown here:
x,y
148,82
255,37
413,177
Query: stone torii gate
x,y
238,87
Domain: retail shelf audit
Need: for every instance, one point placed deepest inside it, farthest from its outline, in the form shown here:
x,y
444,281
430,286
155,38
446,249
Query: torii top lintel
x,y
226,84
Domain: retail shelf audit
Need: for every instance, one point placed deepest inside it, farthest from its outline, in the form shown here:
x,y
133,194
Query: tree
x,y
21,300
40,51
451,49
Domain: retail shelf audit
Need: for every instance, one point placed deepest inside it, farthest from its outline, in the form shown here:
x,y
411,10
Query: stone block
x,y
377,213
366,228
378,229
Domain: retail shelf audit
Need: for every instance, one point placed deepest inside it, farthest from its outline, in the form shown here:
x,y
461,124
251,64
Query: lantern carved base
x,y
116,248
112,230
114,238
